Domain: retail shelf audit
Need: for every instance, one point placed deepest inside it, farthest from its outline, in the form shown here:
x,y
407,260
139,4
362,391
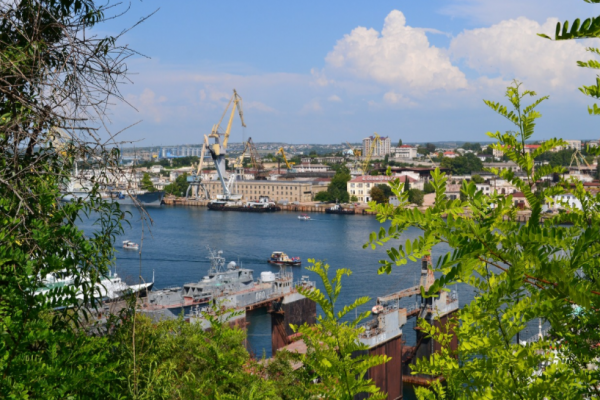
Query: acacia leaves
x,y
521,273
334,354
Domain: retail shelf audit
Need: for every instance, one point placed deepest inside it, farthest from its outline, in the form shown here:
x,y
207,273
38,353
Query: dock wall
x,y
388,376
290,311
301,208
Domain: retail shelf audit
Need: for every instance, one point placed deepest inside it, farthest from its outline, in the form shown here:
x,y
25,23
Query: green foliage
x,y
544,269
589,29
332,344
337,189
428,149
147,184
399,142
377,195
45,348
174,359
477,178
416,196
323,196
428,188
353,198
462,165
472,146
179,187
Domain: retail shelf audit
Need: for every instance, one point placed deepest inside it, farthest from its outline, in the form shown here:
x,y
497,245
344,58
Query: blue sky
x,y
327,72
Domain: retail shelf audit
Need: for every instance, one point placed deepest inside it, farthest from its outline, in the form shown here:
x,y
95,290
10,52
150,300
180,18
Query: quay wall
x,y
301,208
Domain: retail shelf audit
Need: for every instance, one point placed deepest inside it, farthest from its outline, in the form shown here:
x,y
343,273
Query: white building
x,y
404,151
573,144
312,168
156,169
382,148
361,185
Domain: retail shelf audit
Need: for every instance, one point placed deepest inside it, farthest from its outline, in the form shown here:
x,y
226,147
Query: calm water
x,y
174,249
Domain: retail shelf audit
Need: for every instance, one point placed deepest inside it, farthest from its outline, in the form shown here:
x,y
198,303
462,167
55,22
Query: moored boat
x,y
337,209
128,244
304,217
280,258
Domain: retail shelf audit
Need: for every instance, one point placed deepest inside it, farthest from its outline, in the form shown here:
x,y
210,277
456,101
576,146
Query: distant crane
x,y
196,179
256,162
287,163
367,158
576,158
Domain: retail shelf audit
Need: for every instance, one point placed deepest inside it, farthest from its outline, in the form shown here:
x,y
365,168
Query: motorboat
x,y
304,217
129,245
280,258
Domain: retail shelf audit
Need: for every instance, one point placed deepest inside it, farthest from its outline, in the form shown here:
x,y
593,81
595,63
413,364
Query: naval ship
x,y
231,283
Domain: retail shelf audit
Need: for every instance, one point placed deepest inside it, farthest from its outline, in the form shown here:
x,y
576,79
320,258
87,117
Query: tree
x,y
428,188
477,178
323,196
399,142
416,196
377,195
179,187
147,184
338,189
462,165
520,273
56,82
353,198
332,344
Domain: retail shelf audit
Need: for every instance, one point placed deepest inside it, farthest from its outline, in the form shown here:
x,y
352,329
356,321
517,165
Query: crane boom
x,y
288,164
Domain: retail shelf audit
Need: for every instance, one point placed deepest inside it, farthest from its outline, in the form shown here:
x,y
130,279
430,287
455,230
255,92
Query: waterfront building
x,y
312,168
361,186
276,190
405,151
383,148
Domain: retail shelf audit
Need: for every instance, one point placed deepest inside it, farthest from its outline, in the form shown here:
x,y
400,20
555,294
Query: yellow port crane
x,y
356,151
287,163
367,159
218,149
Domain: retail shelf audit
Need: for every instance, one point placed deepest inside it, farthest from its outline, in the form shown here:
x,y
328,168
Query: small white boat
x,y
304,217
128,244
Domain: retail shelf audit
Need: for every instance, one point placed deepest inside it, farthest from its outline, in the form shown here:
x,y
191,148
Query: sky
x,y
330,72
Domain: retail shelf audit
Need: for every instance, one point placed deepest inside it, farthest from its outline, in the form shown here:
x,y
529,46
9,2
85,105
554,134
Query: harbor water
x,y
174,249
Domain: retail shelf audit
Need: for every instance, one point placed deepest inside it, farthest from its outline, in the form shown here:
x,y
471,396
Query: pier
x,y
383,333
301,208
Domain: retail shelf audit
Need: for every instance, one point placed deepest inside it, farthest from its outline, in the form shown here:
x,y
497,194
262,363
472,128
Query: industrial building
x,y
276,190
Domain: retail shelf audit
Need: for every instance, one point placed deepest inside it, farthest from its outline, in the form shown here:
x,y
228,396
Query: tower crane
x,y
287,163
367,159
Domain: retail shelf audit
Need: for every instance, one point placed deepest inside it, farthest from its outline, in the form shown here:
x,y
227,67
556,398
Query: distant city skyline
x,y
327,73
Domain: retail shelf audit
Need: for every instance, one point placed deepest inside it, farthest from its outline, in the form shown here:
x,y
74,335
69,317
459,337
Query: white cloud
x,y
334,98
312,106
257,105
400,57
512,50
398,99
148,104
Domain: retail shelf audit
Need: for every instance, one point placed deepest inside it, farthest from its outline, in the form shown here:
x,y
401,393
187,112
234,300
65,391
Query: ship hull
x,y
291,263
345,212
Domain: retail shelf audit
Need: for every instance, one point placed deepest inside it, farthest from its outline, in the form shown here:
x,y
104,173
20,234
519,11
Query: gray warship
x,y
231,283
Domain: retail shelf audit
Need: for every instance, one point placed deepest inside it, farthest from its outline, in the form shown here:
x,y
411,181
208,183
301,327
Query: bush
x,y
416,196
